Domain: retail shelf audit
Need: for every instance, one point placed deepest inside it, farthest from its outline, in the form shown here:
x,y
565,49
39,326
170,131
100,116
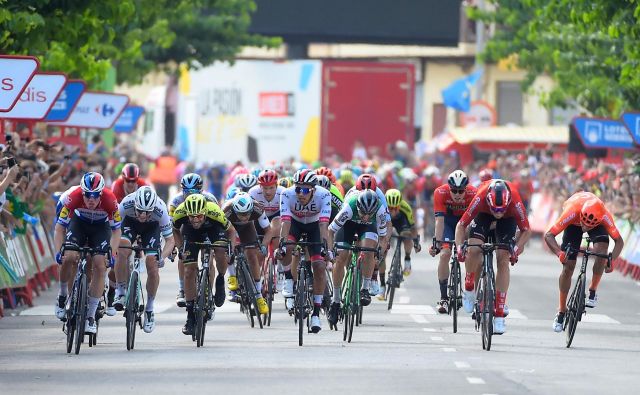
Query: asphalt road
x,y
408,350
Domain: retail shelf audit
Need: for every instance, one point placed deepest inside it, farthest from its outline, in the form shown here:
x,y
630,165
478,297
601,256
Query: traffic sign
x,y
96,110
632,122
15,74
128,119
66,101
38,97
602,133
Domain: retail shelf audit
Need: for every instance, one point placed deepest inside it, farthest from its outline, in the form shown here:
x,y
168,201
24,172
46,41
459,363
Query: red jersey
x,y
107,209
118,187
479,205
571,215
443,204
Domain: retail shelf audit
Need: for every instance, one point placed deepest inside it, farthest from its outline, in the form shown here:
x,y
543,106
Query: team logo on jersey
x,y
116,216
64,213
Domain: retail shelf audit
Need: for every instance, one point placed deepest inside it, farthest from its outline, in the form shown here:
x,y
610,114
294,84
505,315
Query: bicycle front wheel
x,y
454,287
71,319
81,312
300,303
354,303
575,309
488,306
131,310
201,308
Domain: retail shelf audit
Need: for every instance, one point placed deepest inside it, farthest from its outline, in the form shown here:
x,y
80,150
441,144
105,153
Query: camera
x,y
11,161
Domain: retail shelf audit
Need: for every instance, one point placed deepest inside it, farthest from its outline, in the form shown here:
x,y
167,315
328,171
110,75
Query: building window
x,y
509,103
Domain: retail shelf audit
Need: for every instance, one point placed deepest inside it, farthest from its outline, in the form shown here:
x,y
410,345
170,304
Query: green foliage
x,y
85,38
589,48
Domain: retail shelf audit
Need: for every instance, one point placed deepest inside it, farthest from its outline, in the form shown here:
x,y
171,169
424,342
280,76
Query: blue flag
x,y
458,94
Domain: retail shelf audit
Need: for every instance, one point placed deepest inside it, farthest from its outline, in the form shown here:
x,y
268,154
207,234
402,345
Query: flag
x,y
458,94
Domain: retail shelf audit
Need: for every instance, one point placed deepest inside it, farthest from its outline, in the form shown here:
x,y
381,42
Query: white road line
x,y
428,329
401,290
449,349
413,309
462,365
437,338
404,299
598,319
475,380
420,319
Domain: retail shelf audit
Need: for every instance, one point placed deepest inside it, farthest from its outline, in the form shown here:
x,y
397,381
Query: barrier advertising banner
x,y
66,101
15,74
97,110
128,120
602,133
38,98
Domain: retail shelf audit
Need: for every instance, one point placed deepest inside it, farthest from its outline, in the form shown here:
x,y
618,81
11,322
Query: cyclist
x,y
245,181
450,201
144,215
285,182
90,217
198,221
190,183
242,213
128,182
305,208
403,222
336,197
346,179
325,171
365,215
582,213
497,202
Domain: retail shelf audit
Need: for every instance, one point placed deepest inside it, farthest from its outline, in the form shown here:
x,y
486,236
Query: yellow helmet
x,y
195,204
285,182
394,197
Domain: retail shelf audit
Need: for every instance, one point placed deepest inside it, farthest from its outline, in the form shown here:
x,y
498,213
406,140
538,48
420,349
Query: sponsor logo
x,y
116,216
276,104
520,210
568,219
152,242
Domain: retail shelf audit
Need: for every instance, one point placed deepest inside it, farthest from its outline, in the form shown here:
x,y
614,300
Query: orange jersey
x,y
571,215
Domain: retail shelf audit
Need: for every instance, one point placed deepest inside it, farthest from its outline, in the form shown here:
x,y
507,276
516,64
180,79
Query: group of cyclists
x,y
272,212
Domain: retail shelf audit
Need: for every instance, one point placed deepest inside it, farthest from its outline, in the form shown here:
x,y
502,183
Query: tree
x,y
85,38
589,48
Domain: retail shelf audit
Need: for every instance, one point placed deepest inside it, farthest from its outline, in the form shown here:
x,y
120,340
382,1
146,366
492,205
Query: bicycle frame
x,y
454,287
247,288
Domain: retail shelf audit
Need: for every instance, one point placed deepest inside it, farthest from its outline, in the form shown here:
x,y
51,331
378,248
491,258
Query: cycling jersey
x,y
159,216
336,198
118,187
318,208
63,198
179,198
270,207
443,204
405,212
349,212
106,211
571,215
381,197
213,217
479,205
256,215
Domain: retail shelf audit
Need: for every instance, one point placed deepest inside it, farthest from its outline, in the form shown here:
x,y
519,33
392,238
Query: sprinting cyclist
x,y
404,224
128,182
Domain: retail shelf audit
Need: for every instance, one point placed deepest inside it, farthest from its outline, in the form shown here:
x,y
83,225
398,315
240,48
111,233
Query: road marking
x,y
413,309
449,349
404,299
420,319
599,319
428,329
516,314
437,338
401,290
462,365
475,380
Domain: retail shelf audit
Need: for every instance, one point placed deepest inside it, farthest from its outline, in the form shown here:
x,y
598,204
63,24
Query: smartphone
x,y
11,161
7,137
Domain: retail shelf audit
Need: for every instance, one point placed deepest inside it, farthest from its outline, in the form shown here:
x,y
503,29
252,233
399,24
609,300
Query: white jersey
x,y
349,212
318,208
159,215
381,197
271,207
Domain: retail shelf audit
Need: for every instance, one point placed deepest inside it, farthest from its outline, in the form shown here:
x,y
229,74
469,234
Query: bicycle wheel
x,y
454,285
200,309
488,301
70,324
360,307
81,312
346,303
300,302
392,284
354,303
271,289
131,310
252,304
571,318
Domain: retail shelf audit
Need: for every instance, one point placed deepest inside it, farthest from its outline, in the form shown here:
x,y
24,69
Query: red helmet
x,y
485,175
268,177
498,196
366,181
130,172
325,171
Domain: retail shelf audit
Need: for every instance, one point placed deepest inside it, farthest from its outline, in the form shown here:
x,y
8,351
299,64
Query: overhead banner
x,y
128,120
97,110
15,74
38,98
66,101
603,133
631,121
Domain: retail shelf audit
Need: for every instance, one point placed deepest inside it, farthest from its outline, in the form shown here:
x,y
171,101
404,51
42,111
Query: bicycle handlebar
x,y
357,249
488,247
435,243
589,253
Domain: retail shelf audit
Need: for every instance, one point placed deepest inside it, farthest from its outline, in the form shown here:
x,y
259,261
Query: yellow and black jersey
x,y
213,217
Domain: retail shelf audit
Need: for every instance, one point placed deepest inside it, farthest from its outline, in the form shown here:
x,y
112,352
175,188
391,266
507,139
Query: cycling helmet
x,y
498,196
458,180
145,199
195,204
324,182
242,203
191,181
394,197
285,182
325,171
367,202
268,177
232,192
305,176
246,181
256,170
366,181
346,175
92,182
130,172
485,175
592,213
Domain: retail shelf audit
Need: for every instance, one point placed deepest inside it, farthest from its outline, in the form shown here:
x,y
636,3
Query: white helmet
x,y
458,179
246,181
242,203
145,199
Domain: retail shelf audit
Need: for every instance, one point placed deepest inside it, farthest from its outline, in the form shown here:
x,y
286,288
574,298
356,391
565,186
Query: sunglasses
x,y
92,195
191,191
457,191
498,210
303,190
142,212
131,181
